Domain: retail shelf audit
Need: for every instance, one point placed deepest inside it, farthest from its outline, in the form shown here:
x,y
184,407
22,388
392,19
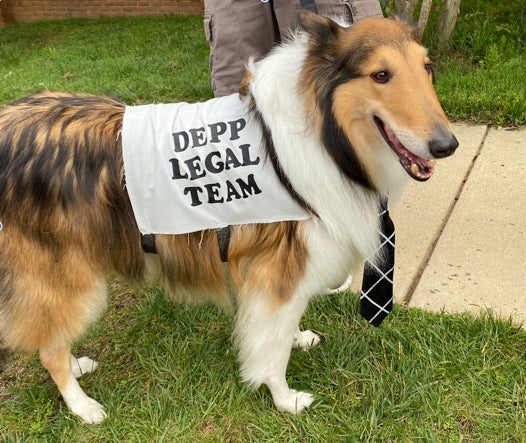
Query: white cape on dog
x,y
190,167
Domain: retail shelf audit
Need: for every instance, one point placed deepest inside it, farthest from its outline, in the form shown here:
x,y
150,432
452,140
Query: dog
x,y
348,114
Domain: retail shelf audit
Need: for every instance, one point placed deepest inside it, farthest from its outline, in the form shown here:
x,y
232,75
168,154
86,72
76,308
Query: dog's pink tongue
x,y
418,168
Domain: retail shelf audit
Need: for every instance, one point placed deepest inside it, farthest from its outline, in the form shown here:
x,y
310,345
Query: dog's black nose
x,y
443,146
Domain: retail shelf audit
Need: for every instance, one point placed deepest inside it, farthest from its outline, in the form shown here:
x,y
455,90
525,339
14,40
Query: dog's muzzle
x,y
442,144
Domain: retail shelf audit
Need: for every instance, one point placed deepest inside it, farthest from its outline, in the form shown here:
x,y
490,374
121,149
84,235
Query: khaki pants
x,y
237,29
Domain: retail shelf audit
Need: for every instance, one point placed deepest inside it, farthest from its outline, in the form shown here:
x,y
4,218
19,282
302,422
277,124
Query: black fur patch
x,y
340,148
270,150
61,162
46,162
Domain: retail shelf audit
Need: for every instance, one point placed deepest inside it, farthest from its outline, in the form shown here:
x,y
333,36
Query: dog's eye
x,y
381,76
429,68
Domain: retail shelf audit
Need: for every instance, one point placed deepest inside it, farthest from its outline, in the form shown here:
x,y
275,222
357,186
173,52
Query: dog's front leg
x,y
264,336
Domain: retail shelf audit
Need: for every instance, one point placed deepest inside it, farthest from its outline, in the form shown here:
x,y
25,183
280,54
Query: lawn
x,y
482,74
168,374
137,60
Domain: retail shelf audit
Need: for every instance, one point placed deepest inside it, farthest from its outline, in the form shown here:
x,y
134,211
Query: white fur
x,y
264,337
344,233
80,404
346,213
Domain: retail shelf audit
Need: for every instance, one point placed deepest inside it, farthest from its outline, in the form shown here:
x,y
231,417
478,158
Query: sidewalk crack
x,y
431,248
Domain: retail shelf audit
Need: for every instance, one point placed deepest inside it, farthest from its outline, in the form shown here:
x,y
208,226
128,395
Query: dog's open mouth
x,y
418,168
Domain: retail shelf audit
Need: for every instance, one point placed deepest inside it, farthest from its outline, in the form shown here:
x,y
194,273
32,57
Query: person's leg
x,y
235,31
360,9
286,12
352,11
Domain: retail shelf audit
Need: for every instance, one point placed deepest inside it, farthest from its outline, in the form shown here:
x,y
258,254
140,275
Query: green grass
x,y
135,59
169,374
482,74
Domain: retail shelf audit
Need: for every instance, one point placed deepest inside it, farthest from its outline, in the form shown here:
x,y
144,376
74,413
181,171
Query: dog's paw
x,y
89,410
82,365
295,402
305,340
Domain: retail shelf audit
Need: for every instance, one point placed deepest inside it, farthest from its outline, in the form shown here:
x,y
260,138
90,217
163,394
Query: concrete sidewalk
x,y
461,236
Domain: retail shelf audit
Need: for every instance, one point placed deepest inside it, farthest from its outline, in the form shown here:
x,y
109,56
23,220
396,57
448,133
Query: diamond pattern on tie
x,y
376,299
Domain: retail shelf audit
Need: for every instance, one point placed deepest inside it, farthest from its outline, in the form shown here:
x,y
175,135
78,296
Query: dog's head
x,y
372,87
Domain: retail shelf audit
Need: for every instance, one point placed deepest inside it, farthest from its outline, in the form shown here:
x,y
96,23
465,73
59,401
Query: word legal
x,y
216,162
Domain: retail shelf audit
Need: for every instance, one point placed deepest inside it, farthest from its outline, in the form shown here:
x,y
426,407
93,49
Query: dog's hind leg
x,y
74,311
264,336
48,318
58,362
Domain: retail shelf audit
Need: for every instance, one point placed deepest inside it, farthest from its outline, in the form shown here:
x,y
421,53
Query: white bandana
x,y
191,167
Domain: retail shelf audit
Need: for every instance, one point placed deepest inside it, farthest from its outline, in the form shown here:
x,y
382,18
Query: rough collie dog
x,y
347,115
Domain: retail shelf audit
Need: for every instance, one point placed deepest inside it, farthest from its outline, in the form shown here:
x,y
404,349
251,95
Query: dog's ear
x,y
321,29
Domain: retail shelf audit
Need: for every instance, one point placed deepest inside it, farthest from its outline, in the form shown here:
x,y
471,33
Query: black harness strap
x,y
223,241
148,243
309,5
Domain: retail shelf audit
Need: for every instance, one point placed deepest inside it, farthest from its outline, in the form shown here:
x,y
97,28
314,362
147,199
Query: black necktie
x,y
376,298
